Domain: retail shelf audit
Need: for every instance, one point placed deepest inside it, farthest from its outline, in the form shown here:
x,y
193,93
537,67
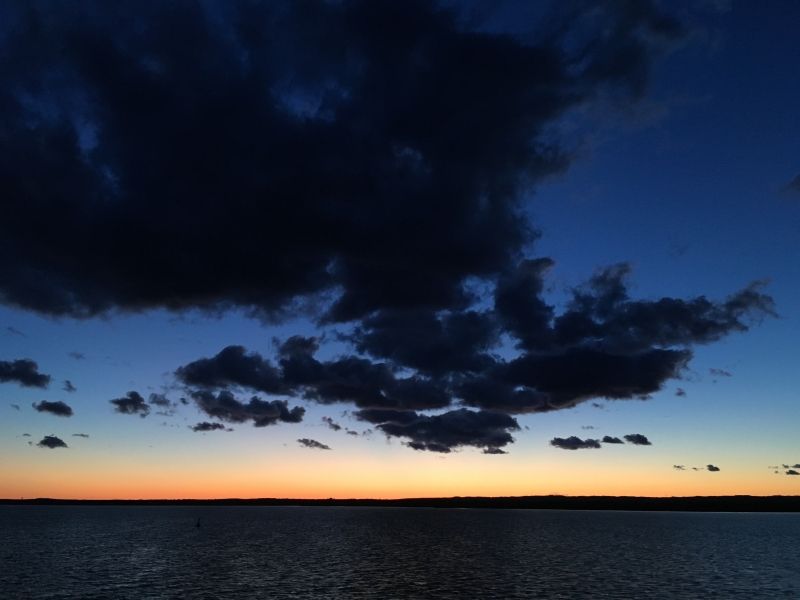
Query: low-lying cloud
x,y
131,404
59,408
638,439
574,443
444,432
206,426
313,444
607,439
51,442
23,371
225,407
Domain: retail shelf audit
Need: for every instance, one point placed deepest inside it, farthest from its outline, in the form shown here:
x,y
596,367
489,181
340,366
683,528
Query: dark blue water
x,y
86,552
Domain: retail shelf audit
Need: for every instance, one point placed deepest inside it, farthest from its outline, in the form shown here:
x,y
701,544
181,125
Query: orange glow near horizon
x,y
321,476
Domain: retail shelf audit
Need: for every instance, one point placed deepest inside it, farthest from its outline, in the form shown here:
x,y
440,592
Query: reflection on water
x,y
154,552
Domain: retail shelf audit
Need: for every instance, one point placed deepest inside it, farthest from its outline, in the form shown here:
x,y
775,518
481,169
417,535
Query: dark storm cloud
x,y
375,148
792,472
225,407
206,426
314,444
712,468
331,423
365,162
68,387
23,371
638,439
83,435
131,404
607,439
574,443
445,432
719,373
52,442
59,408
793,187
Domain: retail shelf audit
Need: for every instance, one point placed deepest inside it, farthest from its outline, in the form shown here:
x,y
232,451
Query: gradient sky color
x,y
695,184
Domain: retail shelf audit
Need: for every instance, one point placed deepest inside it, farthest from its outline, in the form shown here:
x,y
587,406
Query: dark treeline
x,y
633,503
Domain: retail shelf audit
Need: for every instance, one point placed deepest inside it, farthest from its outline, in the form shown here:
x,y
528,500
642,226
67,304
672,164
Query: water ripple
x,y
155,552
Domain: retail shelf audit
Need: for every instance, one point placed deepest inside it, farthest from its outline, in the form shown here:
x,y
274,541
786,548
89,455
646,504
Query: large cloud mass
x,y
158,153
364,162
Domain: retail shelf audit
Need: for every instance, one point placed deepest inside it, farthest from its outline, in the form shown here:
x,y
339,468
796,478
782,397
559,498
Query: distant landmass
x,y
626,503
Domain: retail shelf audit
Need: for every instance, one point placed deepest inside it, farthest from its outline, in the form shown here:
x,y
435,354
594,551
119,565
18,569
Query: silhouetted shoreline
x,y
624,503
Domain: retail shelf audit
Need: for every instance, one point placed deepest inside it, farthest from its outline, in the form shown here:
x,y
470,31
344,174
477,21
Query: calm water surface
x,y
87,552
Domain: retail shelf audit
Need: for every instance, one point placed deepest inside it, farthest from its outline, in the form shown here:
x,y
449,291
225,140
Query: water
x,y
156,552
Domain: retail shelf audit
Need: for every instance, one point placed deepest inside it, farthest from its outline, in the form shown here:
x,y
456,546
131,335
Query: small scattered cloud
x,y
680,392
82,435
679,467
607,439
638,439
719,373
351,432
14,331
307,443
574,443
792,472
52,442
159,400
15,406
331,423
68,387
131,404
712,468
59,408
77,355
586,427
23,371
206,426
491,450
26,435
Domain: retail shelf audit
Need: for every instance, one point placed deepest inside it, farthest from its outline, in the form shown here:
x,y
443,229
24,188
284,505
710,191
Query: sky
x,y
399,249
